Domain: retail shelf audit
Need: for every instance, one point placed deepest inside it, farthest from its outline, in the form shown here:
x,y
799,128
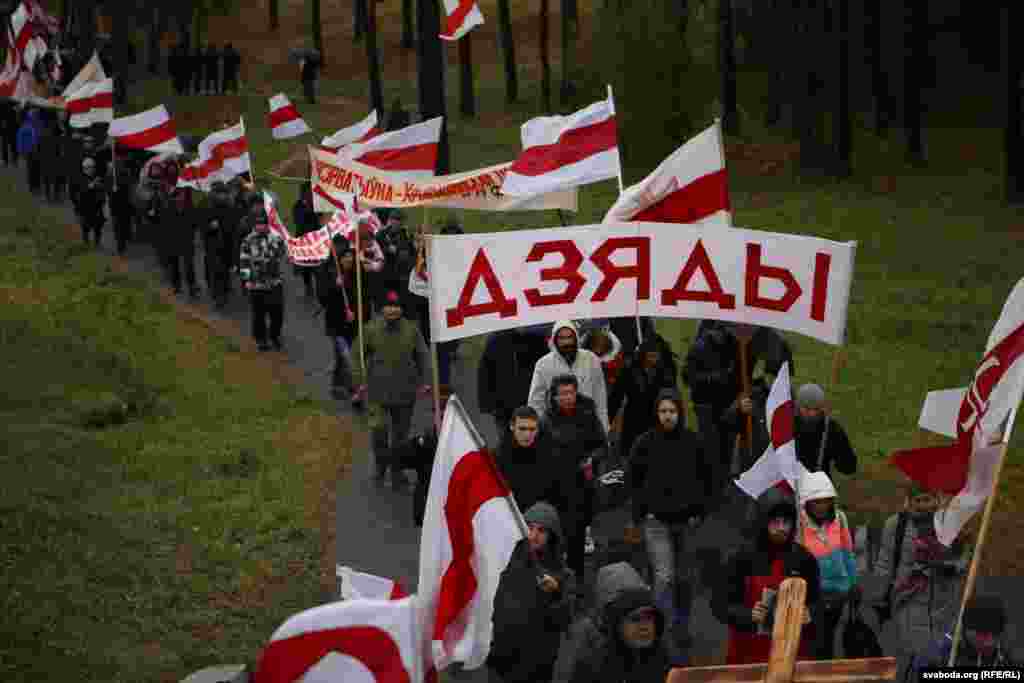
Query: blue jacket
x,y
28,138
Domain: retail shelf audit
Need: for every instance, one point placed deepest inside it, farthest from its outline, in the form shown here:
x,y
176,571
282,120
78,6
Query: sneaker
x,y
588,544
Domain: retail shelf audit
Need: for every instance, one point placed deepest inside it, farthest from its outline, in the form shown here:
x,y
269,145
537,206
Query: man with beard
x,y
89,196
669,474
396,366
919,590
820,440
566,357
745,599
622,640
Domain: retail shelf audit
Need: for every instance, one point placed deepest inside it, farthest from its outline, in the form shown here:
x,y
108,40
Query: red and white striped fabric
x,y
30,46
470,528
274,221
222,156
360,132
778,464
411,150
284,119
152,130
93,103
690,186
356,641
38,15
9,75
360,585
461,16
90,73
560,152
966,467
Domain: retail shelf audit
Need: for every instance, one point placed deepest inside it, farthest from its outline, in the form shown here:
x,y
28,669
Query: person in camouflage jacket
x,y
259,266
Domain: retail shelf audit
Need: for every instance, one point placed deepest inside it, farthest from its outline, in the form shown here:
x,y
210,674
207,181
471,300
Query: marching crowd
x,y
591,415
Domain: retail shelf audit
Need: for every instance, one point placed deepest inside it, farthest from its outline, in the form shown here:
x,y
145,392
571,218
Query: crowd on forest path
x,y
591,414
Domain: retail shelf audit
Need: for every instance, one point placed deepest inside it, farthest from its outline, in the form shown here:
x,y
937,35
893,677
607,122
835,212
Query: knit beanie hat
x,y
810,396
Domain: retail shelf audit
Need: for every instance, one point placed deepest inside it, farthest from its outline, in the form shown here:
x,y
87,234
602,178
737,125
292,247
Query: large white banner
x,y
480,190
481,283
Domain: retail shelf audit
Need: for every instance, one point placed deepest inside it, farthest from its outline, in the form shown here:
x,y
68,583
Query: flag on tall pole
x,y
27,43
359,132
93,103
90,73
461,16
284,119
690,186
222,156
411,150
560,152
152,130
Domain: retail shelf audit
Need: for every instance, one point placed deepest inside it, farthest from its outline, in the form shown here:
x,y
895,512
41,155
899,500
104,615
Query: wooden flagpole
x,y
252,165
435,357
359,302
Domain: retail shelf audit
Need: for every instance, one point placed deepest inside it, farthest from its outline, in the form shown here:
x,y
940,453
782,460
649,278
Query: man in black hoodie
x,y
669,473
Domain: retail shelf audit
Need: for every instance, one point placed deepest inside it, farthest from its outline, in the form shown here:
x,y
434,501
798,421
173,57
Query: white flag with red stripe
x,y
560,152
359,132
778,464
222,156
42,17
690,186
356,585
411,151
29,46
93,103
470,528
9,75
90,73
461,16
356,641
284,119
152,130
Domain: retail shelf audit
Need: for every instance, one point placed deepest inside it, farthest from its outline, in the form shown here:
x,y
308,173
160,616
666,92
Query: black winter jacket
x,y
536,474
506,370
838,451
639,389
574,437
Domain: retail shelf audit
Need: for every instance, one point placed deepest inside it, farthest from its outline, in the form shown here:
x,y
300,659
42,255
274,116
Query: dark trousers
x,y
267,303
831,614
8,143
174,269
578,534
35,175
387,436
93,226
122,231
212,82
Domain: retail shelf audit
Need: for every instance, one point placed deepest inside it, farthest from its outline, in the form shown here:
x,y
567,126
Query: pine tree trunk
x,y
467,100
915,25
570,17
408,41
431,74
372,56
275,19
776,27
1013,71
358,19
545,58
508,47
727,67
879,78
318,31
843,125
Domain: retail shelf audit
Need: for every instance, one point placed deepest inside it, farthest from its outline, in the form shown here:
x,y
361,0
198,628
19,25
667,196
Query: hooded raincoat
x,y
586,367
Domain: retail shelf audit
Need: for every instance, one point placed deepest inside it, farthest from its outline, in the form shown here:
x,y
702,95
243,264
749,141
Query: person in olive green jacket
x,y
396,368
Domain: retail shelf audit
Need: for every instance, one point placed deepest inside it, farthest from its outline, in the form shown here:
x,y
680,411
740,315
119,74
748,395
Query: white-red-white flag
x,y
470,528
359,132
356,641
40,16
274,221
152,130
560,152
27,43
284,119
690,186
411,150
90,73
964,469
778,464
460,17
9,75
93,103
356,585
222,156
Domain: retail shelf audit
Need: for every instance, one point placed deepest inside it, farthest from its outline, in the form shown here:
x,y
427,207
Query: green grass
x,y
157,514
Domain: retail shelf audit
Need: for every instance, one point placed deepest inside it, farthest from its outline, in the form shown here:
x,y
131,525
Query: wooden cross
x,y
782,666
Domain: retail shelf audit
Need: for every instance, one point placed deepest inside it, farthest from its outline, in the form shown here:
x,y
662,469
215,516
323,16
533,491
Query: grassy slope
x,y
937,252
162,507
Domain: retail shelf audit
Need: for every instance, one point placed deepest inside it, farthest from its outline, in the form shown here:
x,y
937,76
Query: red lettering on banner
x,y
499,303
819,292
569,271
680,291
640,271
755,271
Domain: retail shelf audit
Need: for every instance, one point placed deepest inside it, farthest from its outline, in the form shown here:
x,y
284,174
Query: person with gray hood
x,y
534,602
621,640
670,475
566,357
